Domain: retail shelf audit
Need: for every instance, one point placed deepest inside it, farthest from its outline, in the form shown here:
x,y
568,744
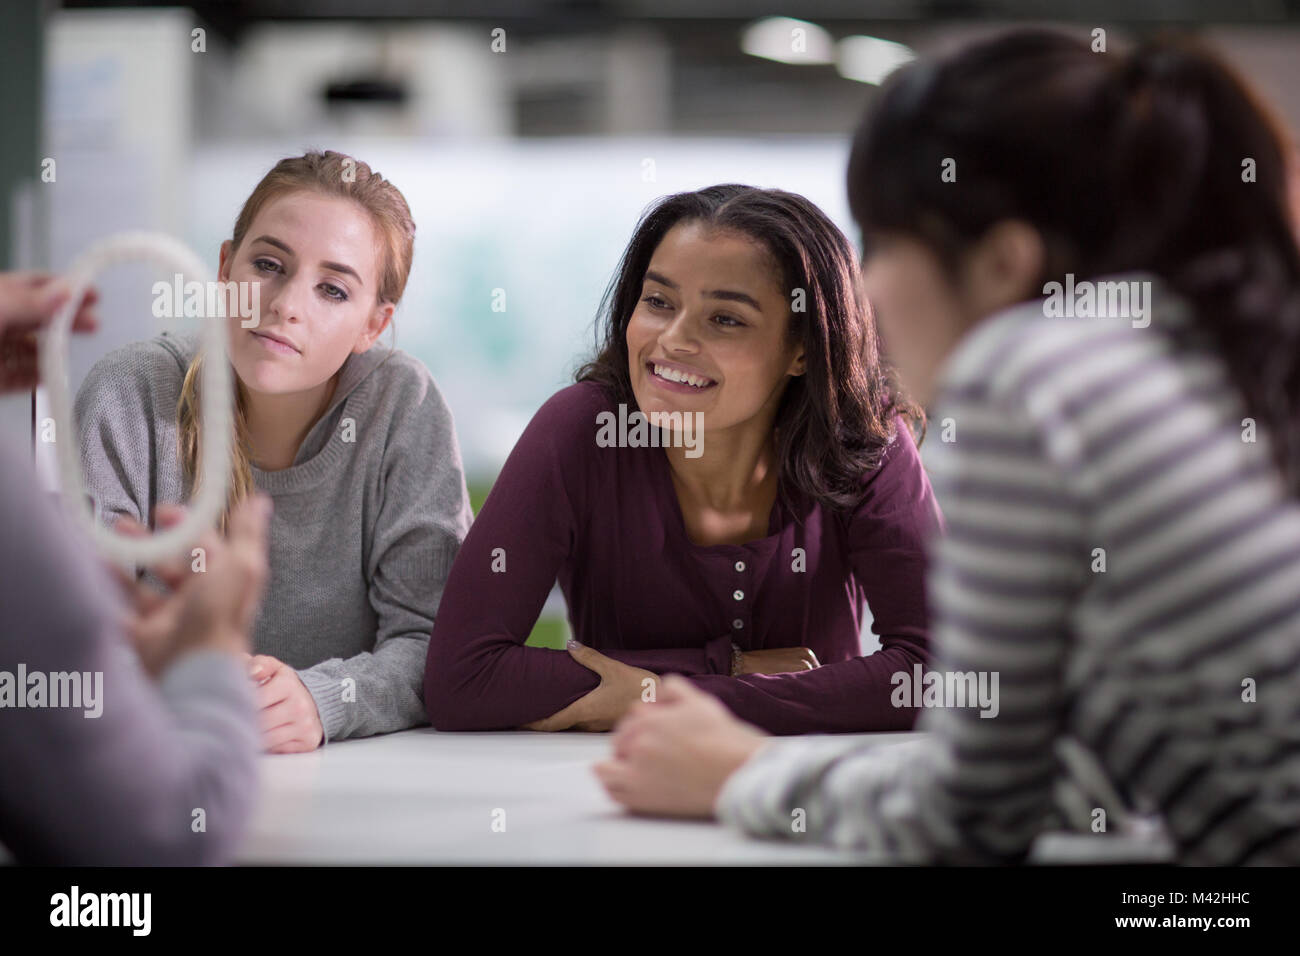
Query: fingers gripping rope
x,y
216,403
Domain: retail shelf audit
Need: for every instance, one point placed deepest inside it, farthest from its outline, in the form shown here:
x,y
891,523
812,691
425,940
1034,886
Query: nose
x,y
287,298
679,334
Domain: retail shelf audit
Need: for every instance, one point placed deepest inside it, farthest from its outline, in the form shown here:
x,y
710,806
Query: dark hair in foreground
x,y
1122,161
836,419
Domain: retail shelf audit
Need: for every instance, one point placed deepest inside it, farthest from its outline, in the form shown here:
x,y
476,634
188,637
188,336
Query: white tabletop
x,y
421,796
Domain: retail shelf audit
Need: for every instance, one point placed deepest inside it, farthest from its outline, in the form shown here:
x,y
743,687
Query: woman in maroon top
x,y
737,544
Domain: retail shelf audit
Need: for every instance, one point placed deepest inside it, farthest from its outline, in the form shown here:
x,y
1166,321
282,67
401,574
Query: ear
x,y
1004,266
227,258
797,364
374,327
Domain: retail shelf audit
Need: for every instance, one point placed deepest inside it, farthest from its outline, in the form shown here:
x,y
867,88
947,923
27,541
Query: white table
x,y
421,796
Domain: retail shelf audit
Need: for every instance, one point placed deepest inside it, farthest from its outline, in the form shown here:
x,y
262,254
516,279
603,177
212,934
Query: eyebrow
x,y
725,294
332,266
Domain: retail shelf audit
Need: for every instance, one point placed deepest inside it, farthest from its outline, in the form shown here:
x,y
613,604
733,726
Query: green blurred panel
x,y
478,492
549,632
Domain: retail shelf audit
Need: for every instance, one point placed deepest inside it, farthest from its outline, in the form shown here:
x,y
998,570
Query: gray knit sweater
x,y
367,520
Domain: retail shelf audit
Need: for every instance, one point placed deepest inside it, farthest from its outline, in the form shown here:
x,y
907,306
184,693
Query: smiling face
x,y
317,259
709,333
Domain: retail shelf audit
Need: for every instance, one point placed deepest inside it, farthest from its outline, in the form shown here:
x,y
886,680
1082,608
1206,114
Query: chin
x,y
263,377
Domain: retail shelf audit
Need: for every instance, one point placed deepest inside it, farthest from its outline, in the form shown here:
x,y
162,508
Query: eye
x,y
727,321
656,301
333,292
266,265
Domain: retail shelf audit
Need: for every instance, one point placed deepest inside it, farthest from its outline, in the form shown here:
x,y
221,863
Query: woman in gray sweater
x,y
353,443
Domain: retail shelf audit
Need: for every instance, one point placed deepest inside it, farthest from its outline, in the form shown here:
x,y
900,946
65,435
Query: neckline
x,y
311,470
677,520
965,359
354,378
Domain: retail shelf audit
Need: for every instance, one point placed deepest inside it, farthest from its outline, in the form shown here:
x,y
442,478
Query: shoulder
x,y
401,388
400,403
570,418
562,434
399,373
899,482
1022,352
1060,387
139,371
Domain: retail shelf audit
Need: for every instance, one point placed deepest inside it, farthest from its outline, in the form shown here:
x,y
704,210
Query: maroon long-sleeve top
x,y
605,522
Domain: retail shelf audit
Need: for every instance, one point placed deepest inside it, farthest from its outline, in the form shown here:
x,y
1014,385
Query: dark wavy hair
x,y
835,420
1122,161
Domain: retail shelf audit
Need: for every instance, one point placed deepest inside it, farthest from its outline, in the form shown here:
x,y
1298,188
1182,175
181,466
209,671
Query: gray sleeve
x,y
124,408
133,773
424,515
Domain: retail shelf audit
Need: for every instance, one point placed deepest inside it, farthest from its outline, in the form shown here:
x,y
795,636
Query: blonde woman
x,y
353,443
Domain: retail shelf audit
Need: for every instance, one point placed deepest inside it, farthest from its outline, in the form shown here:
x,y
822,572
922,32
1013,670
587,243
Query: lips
x,y
672,374
277,343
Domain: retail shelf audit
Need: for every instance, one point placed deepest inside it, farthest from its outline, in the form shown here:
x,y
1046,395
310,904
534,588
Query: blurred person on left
x,y
179,736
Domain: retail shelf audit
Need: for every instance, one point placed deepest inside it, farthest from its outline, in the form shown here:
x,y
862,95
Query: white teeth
x,y
673,375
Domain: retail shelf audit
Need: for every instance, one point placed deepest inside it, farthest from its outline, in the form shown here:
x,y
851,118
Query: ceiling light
x,y
870,59
788,41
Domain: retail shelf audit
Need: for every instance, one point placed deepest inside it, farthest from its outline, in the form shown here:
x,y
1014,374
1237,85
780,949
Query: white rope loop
x,y
217,401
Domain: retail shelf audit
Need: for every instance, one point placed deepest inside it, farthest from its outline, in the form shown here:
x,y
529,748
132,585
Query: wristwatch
x,y
737,659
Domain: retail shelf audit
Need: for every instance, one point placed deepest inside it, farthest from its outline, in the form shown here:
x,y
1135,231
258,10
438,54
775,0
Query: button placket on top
x,y
738,595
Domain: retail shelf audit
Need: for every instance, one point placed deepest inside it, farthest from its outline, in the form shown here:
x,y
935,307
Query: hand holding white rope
x,y
216,408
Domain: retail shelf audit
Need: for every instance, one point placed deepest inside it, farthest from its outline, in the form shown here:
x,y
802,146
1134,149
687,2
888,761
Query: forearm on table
x,y
495,682
942,798
376,692
856,794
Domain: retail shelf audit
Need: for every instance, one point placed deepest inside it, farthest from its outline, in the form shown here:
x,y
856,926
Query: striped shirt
x,y
1122,555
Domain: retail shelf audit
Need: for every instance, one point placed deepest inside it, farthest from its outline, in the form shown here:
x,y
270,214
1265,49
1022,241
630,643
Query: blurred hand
x,y
290,721
673,759
212,608
28,301
778,660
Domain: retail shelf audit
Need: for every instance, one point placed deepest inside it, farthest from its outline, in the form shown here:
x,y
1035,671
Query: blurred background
x,y
526,135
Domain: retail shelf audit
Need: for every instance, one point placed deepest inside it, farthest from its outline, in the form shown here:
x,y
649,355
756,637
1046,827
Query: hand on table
x,y
289,718
28,301
621,687
672,759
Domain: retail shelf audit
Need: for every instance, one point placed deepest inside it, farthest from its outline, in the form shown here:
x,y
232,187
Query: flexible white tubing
x,y
216,404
